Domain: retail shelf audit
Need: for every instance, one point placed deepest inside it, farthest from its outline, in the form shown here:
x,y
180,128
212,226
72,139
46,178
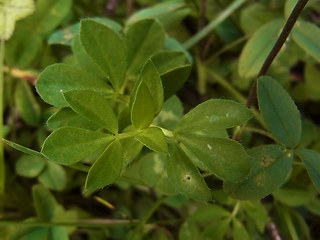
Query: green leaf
x,y
185,176
168,13
281,117
66,117
107,167
94,107
293,197
239,231
226,158
173,44
209,212
29,233
143,39
167,60
26,104
58,233
69,145
257,212
12,11
271,165
311,160
214,114
258,47
22,148
131,148
189,231
154,139
106,48
152,169
174,79
29,166
59,78
147,97
170,115
216,230
306,35
44,203
53,176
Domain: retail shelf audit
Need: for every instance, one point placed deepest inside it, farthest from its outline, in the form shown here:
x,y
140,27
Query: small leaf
x,y
311,160
279,111
69,145
293,197
12,11
58,233
29,233
214,114
53,176
216,230
131,147
59,78
306,35
94,107
26,104
209,212
154,139
143,39
239,231
106,48
106,169
258,47
66,117
226,158
185,176
167,60
45,203
29,166
257,212
271,165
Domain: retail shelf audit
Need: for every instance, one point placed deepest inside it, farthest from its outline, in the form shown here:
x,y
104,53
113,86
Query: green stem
x,y
2,164
214,23
235,209
259,131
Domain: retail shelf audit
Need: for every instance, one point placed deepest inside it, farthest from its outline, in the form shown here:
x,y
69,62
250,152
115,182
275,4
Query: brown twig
x,y
129,7
273,231
277,46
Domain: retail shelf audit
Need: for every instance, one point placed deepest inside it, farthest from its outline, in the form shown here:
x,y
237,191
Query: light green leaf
x,y
58,233
106,169
174,79
154,139
131,147
167,60
152,169
226,158
12,11
53,176
143,39
216,230
189,231
306,35
44,203
271,165
66,117
26,104
29,166
258,47
168,13
147,97
173,44
293,197
171,113
257,212
311,160
209,212
185,176
59,78
214,114
94,107
69,145
239,231
279,111
106,48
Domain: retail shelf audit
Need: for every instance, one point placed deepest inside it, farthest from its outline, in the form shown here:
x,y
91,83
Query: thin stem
x,y
235,209
129,7
259,131
277,46
2,163
214,23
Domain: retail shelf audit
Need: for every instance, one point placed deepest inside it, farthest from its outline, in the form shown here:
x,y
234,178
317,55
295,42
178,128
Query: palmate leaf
x,y
10,12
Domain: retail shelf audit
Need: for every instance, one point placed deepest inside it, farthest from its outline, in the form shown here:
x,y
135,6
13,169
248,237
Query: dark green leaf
x,y
53,176
214,114
94,107
311,160
226,158
185,176
69,145
279,111
271,165
143,39
30,166
59,78
26,104
66,117
106,48
107,167
258,47
45,203
154,139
